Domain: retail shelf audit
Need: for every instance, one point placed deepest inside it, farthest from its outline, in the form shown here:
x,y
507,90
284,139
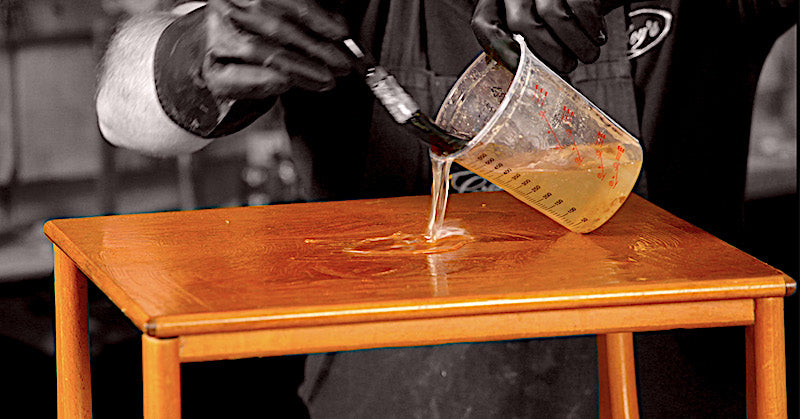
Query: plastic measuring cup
x,y
539,139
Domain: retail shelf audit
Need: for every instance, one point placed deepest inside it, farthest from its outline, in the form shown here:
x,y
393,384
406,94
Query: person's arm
x,y
171,83
128,111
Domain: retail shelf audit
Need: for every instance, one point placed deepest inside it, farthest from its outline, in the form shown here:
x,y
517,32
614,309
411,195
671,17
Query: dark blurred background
x,y
53,163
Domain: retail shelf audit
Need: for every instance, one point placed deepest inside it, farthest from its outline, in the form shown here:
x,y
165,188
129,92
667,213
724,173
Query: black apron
x,y
427,45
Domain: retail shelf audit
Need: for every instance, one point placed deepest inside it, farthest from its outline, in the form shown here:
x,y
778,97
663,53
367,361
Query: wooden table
x,y
262,281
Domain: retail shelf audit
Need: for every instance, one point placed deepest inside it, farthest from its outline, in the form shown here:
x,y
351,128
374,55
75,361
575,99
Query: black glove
x,y
220,67
560,32
262,48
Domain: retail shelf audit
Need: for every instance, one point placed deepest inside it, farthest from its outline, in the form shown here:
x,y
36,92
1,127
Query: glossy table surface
x,y
247,268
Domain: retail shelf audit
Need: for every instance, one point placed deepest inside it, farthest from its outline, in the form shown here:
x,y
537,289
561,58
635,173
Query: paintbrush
x,y
401,106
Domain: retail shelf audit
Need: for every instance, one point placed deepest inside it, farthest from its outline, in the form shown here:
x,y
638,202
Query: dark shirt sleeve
x,y
181,90
773,17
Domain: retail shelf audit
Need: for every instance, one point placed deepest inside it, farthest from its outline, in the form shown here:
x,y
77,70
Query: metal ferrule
x,y
385,87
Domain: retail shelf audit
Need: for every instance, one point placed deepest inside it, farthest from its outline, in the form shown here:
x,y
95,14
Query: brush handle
x,y
401,105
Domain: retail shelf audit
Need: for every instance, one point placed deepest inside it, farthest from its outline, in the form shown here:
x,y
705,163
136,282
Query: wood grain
x,y
238,269
161,376
766,361
475,328
617,372
72,340
260,281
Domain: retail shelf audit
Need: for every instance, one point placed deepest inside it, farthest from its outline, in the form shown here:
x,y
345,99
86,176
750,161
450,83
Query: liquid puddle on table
x,y
439,237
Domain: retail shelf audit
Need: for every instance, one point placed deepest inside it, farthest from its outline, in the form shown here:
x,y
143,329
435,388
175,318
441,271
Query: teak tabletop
x,y
231,272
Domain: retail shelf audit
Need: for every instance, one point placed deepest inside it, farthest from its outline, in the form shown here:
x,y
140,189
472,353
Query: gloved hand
x,y
560,32
262,48
218,68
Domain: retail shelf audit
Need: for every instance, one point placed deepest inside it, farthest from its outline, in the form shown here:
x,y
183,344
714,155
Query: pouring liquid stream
x,y
580,186
404,110
440,189
438,237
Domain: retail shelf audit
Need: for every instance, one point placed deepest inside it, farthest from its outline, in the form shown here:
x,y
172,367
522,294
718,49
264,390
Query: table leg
x,y
161,375
617,370
766,361
72,339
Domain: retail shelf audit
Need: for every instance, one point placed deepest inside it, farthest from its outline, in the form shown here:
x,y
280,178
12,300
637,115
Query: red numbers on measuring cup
x,y
539,95
579,158
550,129
602,174
601,137
614,181
599,142
566,116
